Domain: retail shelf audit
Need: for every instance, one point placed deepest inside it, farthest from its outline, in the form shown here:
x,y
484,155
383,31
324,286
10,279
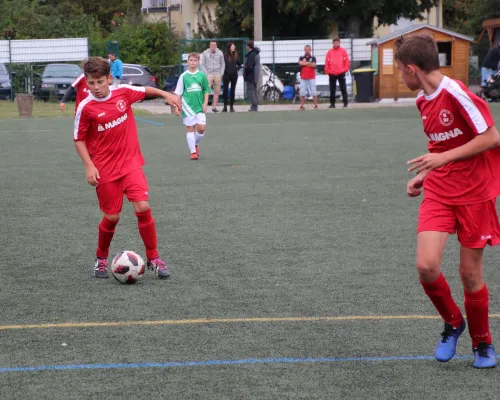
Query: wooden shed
x,y
453,56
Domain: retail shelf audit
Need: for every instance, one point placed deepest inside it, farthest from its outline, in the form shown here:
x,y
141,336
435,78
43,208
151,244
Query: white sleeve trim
x,y
179,90
469,107
78,116
77,80
136,88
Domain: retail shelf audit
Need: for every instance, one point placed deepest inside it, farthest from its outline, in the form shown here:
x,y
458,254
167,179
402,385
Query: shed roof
x,y
413,28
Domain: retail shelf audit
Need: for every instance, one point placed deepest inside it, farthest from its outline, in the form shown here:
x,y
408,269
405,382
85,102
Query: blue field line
x,y
223,362
149,121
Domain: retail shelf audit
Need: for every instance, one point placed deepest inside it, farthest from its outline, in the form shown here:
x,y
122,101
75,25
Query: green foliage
x,y
287,18
140,42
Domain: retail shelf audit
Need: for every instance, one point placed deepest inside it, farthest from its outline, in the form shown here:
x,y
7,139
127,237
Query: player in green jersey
x,y
192,89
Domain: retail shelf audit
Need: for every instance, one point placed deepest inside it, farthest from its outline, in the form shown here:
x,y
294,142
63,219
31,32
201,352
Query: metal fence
x,y
22,62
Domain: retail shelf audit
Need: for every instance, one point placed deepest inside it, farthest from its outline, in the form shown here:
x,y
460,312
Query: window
x,y
131,71
188,31
444,50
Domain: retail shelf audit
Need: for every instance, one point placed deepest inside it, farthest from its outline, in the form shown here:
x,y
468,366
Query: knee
x,y
113,217
141,206
201,131
471,275
428,270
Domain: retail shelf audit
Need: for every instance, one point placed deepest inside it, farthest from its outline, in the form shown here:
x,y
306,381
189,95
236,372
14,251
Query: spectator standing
x,y
337,63
212,62
307,64
233,65
251,74
116,68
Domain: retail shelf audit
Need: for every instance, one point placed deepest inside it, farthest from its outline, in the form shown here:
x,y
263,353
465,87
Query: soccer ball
x,y
127,267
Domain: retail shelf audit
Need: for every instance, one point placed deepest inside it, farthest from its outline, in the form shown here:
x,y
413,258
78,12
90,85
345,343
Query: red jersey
x,y
82,91
307,72
337,61
453,116
108,128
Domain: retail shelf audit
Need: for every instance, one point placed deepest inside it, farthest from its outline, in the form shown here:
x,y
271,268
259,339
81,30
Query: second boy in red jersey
x,y
106,140
82,91
460,191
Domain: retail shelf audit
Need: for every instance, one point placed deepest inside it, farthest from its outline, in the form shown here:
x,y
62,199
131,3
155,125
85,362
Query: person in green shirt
x,y
192,90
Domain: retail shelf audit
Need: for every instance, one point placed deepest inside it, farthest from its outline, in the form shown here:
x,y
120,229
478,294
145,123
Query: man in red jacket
x,y
336,65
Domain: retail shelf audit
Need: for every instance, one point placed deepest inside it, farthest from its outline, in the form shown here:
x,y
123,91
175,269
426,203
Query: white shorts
x,y
198,119
308,85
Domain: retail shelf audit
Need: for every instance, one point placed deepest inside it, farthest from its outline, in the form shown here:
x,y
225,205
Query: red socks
x,y
440,294
476,307
147,230
106,232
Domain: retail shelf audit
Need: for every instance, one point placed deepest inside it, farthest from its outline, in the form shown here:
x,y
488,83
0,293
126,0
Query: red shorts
x,y
110,194
475,224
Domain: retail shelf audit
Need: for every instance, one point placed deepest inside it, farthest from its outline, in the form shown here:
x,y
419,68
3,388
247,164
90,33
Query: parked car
x,y
138,75
323,85
55,80
5,83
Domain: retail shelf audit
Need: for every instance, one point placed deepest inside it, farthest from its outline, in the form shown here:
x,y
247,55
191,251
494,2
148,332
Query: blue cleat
x,y
485,356
447,345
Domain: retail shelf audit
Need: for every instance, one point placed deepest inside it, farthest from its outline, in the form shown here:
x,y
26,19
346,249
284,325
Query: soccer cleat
x,y
484,356
194,156
197,151
447,345
101,268
159,267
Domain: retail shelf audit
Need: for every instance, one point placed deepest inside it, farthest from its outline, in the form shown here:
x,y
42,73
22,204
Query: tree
x,y
316,17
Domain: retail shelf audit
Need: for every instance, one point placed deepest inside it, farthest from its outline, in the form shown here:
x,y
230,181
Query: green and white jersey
x,y
192,87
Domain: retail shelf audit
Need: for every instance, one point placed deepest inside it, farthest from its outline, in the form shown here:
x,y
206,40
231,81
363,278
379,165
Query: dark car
x,y
138,75
55,80
5,83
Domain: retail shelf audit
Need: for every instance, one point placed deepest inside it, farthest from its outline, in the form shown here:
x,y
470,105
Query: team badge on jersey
x,y
446,118
121,105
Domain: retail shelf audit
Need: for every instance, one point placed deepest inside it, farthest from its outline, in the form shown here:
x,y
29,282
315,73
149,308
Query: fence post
x,y
88,48
274,65
10,73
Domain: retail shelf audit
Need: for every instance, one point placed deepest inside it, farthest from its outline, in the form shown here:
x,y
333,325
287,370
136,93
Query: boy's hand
x,y
428,162
173,100
62,107
414,186
205,106
92,175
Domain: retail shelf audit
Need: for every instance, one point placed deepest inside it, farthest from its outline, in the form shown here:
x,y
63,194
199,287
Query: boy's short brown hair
x,y
336,39
96,66
194,55
420,50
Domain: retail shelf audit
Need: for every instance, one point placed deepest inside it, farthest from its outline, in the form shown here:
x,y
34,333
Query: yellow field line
x,y
222,321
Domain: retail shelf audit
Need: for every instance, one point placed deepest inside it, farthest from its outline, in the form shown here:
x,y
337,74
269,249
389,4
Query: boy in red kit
x,y
82,91
460,194
106,140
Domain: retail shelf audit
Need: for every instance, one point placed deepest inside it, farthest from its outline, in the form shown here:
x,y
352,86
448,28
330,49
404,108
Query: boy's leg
x,y
110,196
430,246
137,192
190,123
478,226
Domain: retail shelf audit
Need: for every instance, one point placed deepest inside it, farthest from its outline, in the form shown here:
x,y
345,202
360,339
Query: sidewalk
x,y
158,107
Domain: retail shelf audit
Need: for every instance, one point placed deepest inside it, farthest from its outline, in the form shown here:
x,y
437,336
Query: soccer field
x,y
291,247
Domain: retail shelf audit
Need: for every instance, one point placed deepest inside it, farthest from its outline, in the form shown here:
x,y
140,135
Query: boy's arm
x,y
205,103
170,98
69,92
92,173
485,141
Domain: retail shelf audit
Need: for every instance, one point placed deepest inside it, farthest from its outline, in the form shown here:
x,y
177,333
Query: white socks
x,y
191,142
198,137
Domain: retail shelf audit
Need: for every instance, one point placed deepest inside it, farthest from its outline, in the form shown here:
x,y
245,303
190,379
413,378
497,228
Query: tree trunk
x,y
354,26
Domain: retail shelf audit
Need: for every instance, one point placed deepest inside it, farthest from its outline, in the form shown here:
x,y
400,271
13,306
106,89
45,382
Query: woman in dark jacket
x,y
233,65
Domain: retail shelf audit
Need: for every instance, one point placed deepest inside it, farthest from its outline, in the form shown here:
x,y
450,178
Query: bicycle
x,y
270,91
